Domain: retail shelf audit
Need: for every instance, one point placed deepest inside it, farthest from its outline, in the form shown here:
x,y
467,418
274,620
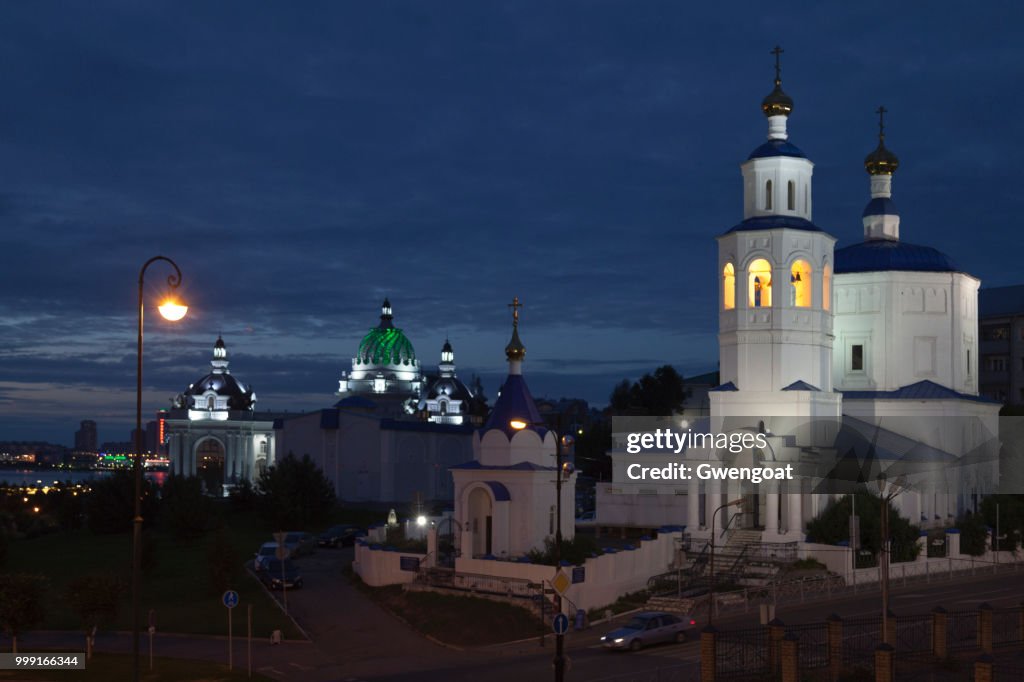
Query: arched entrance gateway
x,y
210,465
481,519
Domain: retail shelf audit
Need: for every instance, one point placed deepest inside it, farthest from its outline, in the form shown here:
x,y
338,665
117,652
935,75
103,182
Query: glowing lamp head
x,y
421,521
518,424
172,310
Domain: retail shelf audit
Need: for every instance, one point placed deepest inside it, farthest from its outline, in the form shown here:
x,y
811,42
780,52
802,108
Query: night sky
x,y
301,162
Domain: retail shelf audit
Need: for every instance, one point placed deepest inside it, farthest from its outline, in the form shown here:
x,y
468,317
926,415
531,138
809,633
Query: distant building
x,y
1001,330
214,431
85,436
697,394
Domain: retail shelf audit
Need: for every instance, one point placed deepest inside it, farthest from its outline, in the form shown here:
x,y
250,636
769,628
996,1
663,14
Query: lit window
x,y
791,196
826,287
768,195
800,278
760,288
729,286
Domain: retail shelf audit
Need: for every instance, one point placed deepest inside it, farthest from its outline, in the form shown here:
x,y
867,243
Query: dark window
x,y
857,358
791,199
994,332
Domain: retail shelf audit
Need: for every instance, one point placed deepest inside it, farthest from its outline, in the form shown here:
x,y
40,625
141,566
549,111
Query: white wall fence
x,y
839,560
603,579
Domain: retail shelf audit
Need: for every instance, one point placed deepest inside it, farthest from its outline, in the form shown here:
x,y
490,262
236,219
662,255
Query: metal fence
x,y
1006,627
813,644
962,630
860,637
742,653
914,633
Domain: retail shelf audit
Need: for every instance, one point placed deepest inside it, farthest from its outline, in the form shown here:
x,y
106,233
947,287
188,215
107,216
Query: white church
x,y
869,350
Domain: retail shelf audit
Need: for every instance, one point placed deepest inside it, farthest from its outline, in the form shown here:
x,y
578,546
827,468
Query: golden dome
x,y
777,103
515,350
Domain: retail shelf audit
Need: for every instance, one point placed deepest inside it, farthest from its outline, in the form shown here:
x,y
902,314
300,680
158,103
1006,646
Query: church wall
x,y
912,326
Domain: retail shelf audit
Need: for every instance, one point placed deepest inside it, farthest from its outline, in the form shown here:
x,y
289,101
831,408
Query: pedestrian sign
x,y
560,624
230,599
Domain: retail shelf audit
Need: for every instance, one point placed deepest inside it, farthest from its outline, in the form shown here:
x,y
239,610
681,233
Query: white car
x,y
267,553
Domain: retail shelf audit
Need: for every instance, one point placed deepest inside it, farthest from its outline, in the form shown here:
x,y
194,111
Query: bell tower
x,y
775,273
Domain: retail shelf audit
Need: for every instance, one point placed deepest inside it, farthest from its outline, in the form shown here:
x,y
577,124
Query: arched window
x,y
209,403
768,195
759,294
791,196
800,278
826,287
729,286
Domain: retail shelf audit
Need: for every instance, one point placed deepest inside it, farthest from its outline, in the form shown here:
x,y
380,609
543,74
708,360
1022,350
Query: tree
x,y
973,534
111,503
94,598
294,493
658,394
832,526
21,604
184,509
222,562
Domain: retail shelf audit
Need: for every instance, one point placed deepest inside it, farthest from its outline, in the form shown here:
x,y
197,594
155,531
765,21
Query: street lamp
x,y
560,467
172,310
886,492
711,592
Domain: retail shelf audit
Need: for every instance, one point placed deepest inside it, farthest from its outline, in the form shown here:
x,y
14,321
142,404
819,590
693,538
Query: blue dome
x,y
877,255
772,222
777,148
880,206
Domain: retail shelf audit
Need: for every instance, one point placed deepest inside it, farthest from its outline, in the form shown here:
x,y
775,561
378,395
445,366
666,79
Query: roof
x,y
448,387
475,465
774,222
801,386
880,206
878,255
386,345
727,386
709,378
514,403
998,301
777,148
225,385
922,390
356,401
424,426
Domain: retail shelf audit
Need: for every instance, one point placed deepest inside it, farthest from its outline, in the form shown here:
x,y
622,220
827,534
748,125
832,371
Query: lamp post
x,y
711,592
170,309
560,443
886,493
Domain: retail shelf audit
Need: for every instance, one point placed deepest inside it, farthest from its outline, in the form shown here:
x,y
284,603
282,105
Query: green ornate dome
x,y
385,344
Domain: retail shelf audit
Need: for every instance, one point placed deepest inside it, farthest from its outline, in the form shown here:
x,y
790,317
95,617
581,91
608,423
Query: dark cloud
x,y
301,164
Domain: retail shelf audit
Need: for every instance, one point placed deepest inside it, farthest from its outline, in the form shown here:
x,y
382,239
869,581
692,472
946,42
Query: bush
x,y
973,534
243,497
575,551
832,526
21,603
94,598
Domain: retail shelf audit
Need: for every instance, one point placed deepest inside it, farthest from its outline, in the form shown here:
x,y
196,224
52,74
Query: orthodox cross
x,y
778,65
515,305
881,122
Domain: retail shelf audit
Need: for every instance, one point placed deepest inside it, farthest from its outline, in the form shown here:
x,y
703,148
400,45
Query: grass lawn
x,y
177,588
463,621
104,667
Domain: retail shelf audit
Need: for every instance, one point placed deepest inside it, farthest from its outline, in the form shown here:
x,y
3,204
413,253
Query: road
x,y
369,644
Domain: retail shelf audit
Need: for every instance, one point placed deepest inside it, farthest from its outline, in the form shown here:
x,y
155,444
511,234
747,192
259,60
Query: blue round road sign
x,y
230,599
560,624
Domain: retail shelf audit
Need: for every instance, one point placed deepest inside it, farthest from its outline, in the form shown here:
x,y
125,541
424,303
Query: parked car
x,y
338,536
267,552
299,543
281,573
648,628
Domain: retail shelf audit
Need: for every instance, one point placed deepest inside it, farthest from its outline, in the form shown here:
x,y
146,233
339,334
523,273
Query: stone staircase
x,y
740,537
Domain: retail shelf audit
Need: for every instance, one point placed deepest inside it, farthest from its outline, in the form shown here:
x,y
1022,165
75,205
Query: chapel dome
x,y
881,161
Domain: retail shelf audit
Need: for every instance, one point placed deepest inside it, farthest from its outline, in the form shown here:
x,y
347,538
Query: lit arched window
x,y
768,195
729,286
800,278
759,294
209,403
791,196
826,287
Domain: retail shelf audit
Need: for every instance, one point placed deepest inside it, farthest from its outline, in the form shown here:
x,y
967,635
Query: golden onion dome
x,y
515,350
777,103
881,161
